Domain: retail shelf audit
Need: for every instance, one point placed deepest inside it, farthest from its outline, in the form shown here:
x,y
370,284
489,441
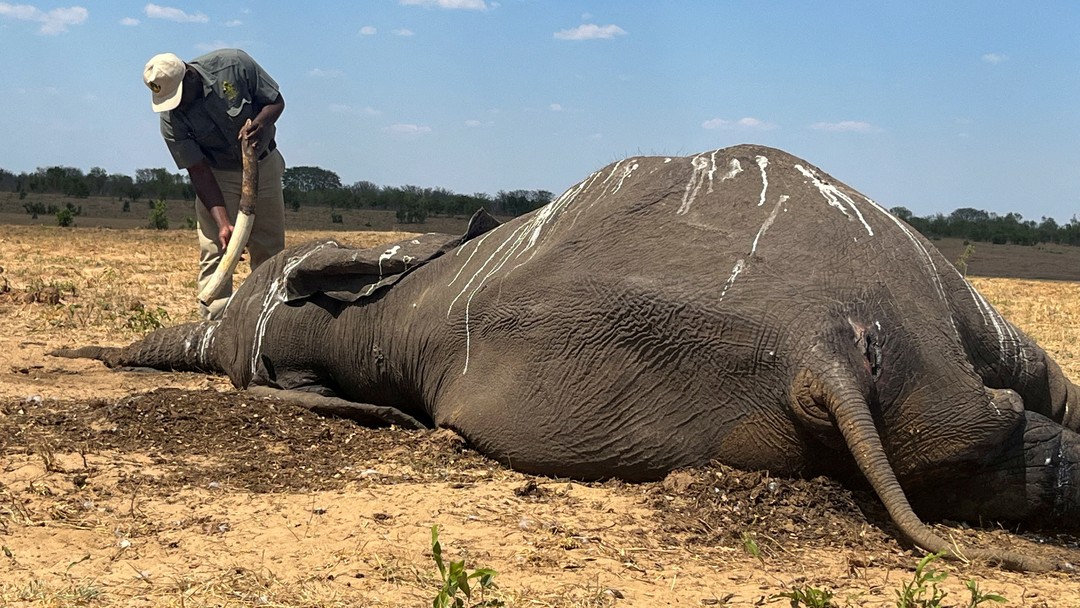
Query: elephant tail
x,y
184,348
851,414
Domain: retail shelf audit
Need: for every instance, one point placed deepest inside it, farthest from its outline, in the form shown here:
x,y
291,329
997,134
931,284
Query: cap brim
x,y
166,102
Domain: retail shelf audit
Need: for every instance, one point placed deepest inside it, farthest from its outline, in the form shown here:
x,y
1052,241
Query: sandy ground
x,y
127,488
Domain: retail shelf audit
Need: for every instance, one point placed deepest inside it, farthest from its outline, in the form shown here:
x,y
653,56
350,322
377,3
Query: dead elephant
x,y
738,305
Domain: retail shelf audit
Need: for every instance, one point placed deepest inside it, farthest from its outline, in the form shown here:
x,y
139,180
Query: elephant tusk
x,y
249,190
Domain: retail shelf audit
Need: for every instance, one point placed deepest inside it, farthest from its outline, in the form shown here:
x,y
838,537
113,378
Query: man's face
x,y
192,87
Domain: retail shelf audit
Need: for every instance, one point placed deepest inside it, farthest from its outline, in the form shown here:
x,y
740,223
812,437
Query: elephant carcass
x,y
738,305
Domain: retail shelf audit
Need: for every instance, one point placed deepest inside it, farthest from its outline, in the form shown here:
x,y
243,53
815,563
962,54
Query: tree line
x,y
303,187
315,186
308,186
988,227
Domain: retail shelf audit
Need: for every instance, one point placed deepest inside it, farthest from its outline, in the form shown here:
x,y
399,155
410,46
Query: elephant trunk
x,y
852,415
187,348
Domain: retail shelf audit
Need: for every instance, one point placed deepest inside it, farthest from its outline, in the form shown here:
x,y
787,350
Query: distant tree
x,y
902,213
412,212
308,179
96,180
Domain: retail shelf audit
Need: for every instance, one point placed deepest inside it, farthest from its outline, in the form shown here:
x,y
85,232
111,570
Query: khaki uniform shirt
x,y
235,88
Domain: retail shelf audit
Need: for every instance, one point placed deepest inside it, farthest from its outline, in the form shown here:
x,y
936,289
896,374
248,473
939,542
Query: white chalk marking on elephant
x,y
206,344
521,239
518,232
388,254
518,237
990,318
712,168
697,179
735,168
476,248
626,173
275,295
572,193
836,197
763,162
768,222
920,248
731,280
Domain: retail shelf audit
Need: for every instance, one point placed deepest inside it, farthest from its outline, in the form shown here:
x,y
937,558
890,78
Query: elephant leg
x,y
362,413
1033,479
1007,358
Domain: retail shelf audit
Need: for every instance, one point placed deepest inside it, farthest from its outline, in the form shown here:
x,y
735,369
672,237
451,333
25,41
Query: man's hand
x,y
250,131
225,227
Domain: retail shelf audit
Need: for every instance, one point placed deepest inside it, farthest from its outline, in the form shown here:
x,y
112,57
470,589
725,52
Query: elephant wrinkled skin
x,y
738,305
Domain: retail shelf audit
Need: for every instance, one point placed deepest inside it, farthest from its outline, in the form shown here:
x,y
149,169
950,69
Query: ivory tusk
x,y
249,190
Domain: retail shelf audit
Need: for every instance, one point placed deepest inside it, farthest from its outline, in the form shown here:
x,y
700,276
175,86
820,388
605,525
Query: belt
x,y
269,149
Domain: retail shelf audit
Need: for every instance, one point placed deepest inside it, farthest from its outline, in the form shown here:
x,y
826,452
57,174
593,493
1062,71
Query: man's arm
x,y
209,192
268,115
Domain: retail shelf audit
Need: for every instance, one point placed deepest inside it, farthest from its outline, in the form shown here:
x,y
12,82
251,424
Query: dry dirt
x,y
128,488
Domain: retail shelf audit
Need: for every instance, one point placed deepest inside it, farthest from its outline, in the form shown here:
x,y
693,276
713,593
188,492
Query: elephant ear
x,y
350,275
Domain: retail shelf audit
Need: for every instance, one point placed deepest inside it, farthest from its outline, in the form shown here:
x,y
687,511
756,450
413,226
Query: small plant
x,y
914,594
143,319
335,217
962,261
751,547
978,597
808,596
159,220
926,579
456,578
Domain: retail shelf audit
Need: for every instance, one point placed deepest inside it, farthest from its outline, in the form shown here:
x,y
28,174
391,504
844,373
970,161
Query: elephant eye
x,y
872,349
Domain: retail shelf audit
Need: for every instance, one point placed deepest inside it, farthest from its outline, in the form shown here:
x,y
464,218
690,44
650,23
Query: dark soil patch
x,y
259,444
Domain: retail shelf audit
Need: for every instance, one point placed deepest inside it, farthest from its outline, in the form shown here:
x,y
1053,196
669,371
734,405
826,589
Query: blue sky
x,y
928,105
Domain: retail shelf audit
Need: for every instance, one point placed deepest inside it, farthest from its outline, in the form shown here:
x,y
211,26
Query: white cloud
x,y
129,21
596,136
470,5
403,32
849,126
994,58
555,107
214,45
743,123
409,130
321,73
342,108
55,21
234,23
169,13
368,30
590,31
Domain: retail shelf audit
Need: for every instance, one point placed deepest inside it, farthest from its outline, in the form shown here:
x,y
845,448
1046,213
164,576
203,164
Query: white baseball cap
x,y
164,74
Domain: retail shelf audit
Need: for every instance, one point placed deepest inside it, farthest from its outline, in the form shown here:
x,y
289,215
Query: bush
x,y
65,217
158,218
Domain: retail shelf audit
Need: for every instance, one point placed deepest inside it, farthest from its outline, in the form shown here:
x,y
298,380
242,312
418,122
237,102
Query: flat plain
x,y
124,488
